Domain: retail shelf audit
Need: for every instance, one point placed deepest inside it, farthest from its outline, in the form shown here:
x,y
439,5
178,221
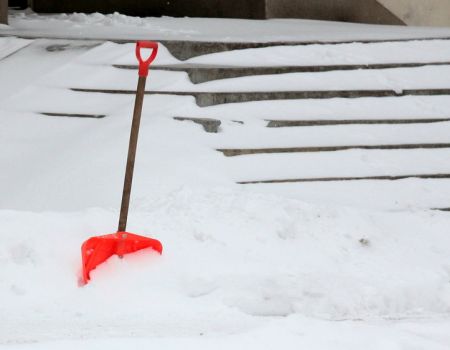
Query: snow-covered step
x,y
188,49
252,139
200,73
233,152
25,62
212,124
325,55
409,193
426,80
396,79
184,50
204,99
408,107
355,163
61,100
300,57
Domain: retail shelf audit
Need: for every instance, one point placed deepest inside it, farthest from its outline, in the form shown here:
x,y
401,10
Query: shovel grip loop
x,y
144,64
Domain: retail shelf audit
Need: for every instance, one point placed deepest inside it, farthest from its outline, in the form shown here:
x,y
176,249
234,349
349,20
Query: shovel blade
x,y
98,249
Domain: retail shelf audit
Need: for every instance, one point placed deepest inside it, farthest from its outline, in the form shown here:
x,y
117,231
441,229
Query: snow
x,y
99,26
31,62
263,137
336,265
10,45
358,163
235,263
298,332
332,54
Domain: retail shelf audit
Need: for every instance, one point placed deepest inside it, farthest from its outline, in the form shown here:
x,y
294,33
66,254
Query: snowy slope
x,y
336,265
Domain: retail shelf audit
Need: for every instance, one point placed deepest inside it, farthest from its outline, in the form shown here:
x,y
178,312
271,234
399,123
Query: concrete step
x,y
204,99
232,152
199,73
356,178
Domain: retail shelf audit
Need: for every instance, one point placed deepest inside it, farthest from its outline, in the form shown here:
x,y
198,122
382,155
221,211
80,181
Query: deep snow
x,y
234,264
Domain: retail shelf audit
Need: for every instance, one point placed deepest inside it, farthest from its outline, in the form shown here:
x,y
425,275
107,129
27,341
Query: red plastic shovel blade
x,y
98,249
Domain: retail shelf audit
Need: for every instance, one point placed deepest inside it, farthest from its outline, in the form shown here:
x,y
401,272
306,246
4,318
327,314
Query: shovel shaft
x,y
131,154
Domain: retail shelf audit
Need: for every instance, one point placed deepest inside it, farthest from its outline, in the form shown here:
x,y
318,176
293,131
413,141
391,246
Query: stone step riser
x,y
233,152
325,122
337,179
205,99
74,115
201,74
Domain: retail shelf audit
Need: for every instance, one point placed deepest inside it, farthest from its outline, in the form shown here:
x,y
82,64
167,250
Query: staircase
x,y
338,120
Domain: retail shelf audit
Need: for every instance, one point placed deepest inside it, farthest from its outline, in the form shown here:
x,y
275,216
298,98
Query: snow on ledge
x,y
118,26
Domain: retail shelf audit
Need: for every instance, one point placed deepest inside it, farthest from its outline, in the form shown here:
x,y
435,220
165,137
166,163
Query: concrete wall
x,y
420,12
177,8
19,4
410,12
4,11
364,11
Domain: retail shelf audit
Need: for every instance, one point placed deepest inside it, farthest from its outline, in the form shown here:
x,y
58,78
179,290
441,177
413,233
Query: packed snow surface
x,y
336,265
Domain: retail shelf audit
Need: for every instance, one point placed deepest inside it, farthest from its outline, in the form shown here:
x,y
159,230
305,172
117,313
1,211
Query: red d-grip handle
x,y
143,65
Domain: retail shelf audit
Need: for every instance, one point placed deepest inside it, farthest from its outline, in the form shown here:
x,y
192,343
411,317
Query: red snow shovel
x,y
98,249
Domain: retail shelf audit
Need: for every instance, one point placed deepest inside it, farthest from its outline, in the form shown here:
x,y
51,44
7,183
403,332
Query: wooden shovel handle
x,y
143,72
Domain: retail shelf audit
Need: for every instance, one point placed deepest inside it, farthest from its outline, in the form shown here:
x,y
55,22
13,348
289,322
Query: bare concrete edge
x,y
203,73
208,124
274,123
356,178
72,115
233,152
204,99
441,209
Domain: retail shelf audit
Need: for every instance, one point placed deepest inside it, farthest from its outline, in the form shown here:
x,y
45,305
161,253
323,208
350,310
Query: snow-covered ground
x,y
350,265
